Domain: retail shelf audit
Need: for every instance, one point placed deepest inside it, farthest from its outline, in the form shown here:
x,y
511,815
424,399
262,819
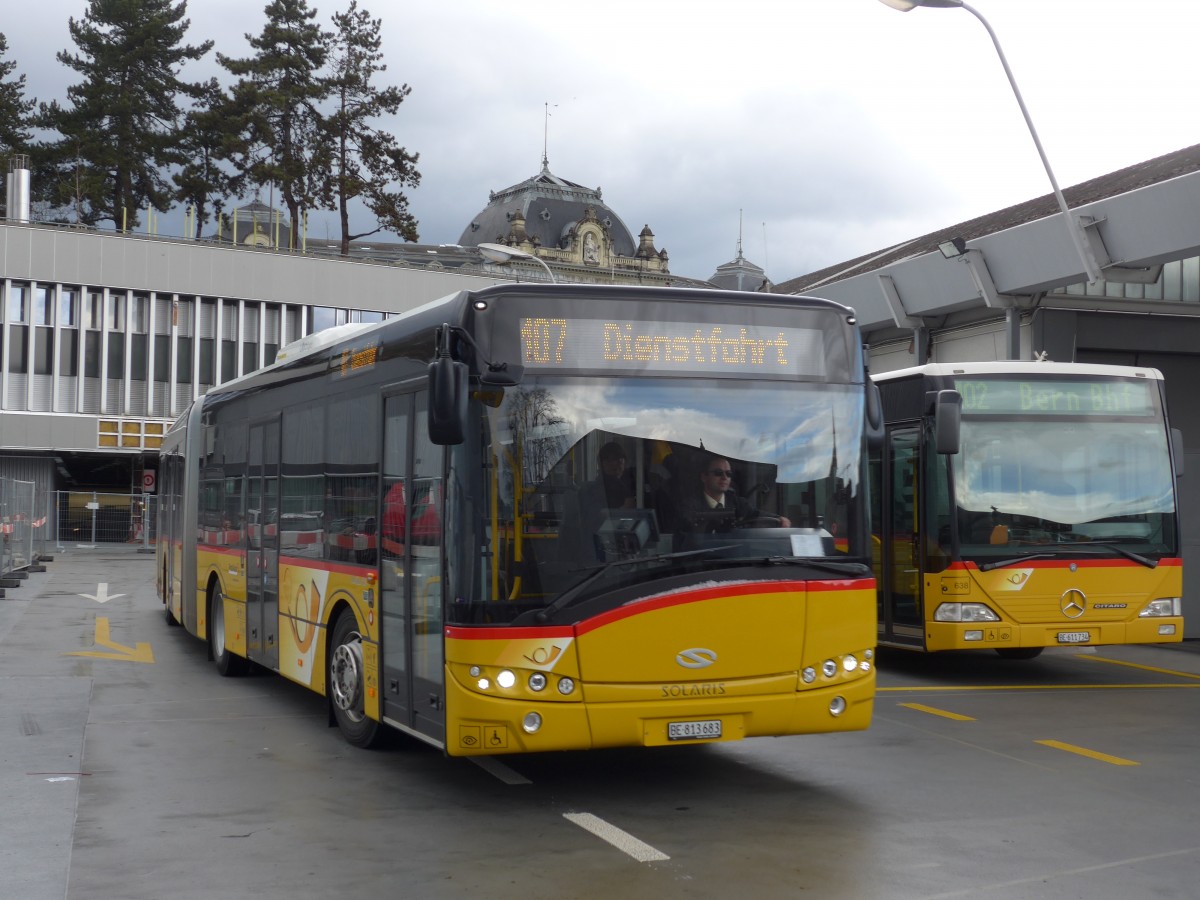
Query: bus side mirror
x,y
874,416
448,388
947,421
1177,450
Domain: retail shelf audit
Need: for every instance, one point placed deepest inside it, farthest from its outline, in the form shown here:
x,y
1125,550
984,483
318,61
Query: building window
x,y
68,354
68,308
18,303
43,351
116,312
140,314
92,309
43,305
18,338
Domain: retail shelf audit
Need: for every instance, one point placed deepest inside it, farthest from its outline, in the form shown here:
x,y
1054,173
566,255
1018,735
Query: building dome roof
x,y
741,275
545,211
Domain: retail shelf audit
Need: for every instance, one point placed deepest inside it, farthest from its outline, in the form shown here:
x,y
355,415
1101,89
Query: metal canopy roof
x,y
1146,215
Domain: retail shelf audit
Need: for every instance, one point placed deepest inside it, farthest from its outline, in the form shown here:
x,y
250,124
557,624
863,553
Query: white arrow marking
x,y
102,595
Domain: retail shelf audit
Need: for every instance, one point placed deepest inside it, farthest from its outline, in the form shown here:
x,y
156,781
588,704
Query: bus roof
x,y
1020,367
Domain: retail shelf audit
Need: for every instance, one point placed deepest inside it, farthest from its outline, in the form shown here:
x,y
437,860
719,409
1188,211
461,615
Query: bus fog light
x,y
829,668
849,663
972,635
532,722
809,675
837,706
506,678
566,686
537,682
1166,629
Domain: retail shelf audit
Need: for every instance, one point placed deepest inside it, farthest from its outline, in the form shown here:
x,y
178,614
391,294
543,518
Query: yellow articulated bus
x,y
1025,505
542,517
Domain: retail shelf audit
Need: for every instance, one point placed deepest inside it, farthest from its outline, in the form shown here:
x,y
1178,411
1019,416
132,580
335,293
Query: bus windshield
x,y
1051,480
639,476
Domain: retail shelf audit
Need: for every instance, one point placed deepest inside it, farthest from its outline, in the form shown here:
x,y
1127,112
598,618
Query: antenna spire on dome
x,y
546,140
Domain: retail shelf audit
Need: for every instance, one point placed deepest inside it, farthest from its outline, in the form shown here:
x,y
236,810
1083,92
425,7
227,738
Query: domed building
x,y
741,275
570,228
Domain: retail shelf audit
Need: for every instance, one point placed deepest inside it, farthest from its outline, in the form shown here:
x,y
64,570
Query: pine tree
x,y
275,105
205,142
120,129
366,163
15,110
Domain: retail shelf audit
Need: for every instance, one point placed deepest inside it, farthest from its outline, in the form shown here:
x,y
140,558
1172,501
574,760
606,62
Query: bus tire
x,y
228,663
345,683
171,620
1019,652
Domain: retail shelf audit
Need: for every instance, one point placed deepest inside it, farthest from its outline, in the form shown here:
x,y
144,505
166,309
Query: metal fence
x,y
36,524
86,519
20,525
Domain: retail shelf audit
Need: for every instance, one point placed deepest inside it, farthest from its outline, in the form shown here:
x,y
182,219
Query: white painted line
x,y
499,770
622,840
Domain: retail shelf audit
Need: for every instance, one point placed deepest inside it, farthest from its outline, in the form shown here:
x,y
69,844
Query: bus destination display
x,y
670,347
1035,396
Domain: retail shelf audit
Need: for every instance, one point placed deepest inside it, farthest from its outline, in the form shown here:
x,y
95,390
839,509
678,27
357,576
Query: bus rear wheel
x,y
346,683
1019,652
228,663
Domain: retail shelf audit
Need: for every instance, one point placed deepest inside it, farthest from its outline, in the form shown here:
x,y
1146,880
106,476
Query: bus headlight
x,y
965,612
1163,606
537,682
829,668
566,686
809,675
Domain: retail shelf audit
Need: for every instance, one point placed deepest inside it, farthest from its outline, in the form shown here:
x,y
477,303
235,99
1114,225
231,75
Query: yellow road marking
x,y
945,714
138,653
1119,662
1025,687
1093,754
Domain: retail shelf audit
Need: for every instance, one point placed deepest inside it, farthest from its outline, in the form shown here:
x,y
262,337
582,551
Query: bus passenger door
x,y
262,544
900,580
410,598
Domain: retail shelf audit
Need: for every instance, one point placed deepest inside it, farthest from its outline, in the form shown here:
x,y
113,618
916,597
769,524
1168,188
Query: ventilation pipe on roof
x,y
17,188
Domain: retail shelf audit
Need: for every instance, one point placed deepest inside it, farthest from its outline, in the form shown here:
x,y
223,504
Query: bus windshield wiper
x,y
1128,554
822,565
1074,548
571,594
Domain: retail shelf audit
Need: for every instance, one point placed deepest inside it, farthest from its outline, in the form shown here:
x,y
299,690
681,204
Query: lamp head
x,y
953,248
906,5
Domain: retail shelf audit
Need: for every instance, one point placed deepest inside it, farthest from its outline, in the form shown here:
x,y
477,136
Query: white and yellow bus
x,y
1025,505
397,517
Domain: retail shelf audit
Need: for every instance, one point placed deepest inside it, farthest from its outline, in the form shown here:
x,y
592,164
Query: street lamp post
x,y
498,253
1073,228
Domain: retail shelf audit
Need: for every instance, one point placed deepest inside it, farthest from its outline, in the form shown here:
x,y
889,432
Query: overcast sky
x,y
832,128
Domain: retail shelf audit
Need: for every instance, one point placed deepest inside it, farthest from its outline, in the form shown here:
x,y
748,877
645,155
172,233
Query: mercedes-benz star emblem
x,y
1073,603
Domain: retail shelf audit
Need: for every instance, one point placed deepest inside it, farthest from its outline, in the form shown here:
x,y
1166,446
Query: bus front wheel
x,y
346,684
228,663
1019,652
